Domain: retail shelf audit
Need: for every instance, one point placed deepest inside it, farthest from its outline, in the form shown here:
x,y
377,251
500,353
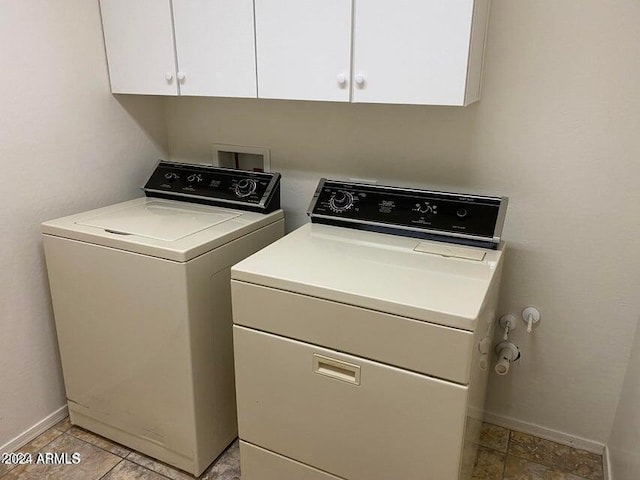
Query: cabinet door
x,y
138,37
411,51
303,49
215,46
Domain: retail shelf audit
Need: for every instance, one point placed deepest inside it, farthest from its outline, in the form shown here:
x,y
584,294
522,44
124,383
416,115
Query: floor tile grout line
x,y
137,465
43,446
506,455
98,446
61,431
109,471
2,475
12,467
560,444
155,460
37,451
126,457
555,467
104,449
118,456
550,465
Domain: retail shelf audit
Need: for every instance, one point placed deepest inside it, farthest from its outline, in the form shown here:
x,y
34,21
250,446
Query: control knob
x,y
194,178
426,208
245,187
341,201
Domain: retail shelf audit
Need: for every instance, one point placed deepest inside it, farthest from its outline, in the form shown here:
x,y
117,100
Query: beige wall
x,y
557,131
561,117
65,145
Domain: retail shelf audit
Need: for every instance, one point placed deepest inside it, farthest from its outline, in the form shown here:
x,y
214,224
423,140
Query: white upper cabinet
x,y
422,52
212,54
425,52
303,49
418,51
215,47
138,36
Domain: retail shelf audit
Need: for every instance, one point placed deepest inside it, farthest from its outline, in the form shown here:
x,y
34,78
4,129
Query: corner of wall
x,y
606,464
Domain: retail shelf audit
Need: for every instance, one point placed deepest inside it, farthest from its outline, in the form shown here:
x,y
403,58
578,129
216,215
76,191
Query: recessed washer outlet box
x,y
242,157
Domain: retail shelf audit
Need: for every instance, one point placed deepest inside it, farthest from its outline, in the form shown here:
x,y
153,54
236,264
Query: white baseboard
x,y
32,432
606,463
546,433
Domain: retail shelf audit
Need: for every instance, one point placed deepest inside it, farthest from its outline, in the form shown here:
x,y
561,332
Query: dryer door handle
x,y
337,369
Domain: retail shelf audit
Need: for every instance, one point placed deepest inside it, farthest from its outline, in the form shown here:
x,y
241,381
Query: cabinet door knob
x,y
342,79
181,76
360,80
168,76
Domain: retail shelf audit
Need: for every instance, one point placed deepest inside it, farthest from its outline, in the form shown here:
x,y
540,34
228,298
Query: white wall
x,y
624,443
557,131
65,145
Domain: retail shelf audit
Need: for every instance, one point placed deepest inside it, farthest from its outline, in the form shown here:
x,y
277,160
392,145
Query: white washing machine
x,y
362,339
142,307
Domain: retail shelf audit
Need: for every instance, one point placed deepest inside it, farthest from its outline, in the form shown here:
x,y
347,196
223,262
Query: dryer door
x,y
344,415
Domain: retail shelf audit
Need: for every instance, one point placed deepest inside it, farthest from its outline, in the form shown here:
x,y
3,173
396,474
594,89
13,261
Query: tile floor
x,y
102,459
510,455
503,455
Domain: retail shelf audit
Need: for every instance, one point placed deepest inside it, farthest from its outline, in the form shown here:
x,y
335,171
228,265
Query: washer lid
x,y
177,231
158,220
377,271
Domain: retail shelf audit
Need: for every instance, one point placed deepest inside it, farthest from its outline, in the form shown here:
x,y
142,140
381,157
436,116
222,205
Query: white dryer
x,y
142,307
362,339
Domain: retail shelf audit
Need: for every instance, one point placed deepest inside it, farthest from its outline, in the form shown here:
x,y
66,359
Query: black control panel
x,y
450,217
240,189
